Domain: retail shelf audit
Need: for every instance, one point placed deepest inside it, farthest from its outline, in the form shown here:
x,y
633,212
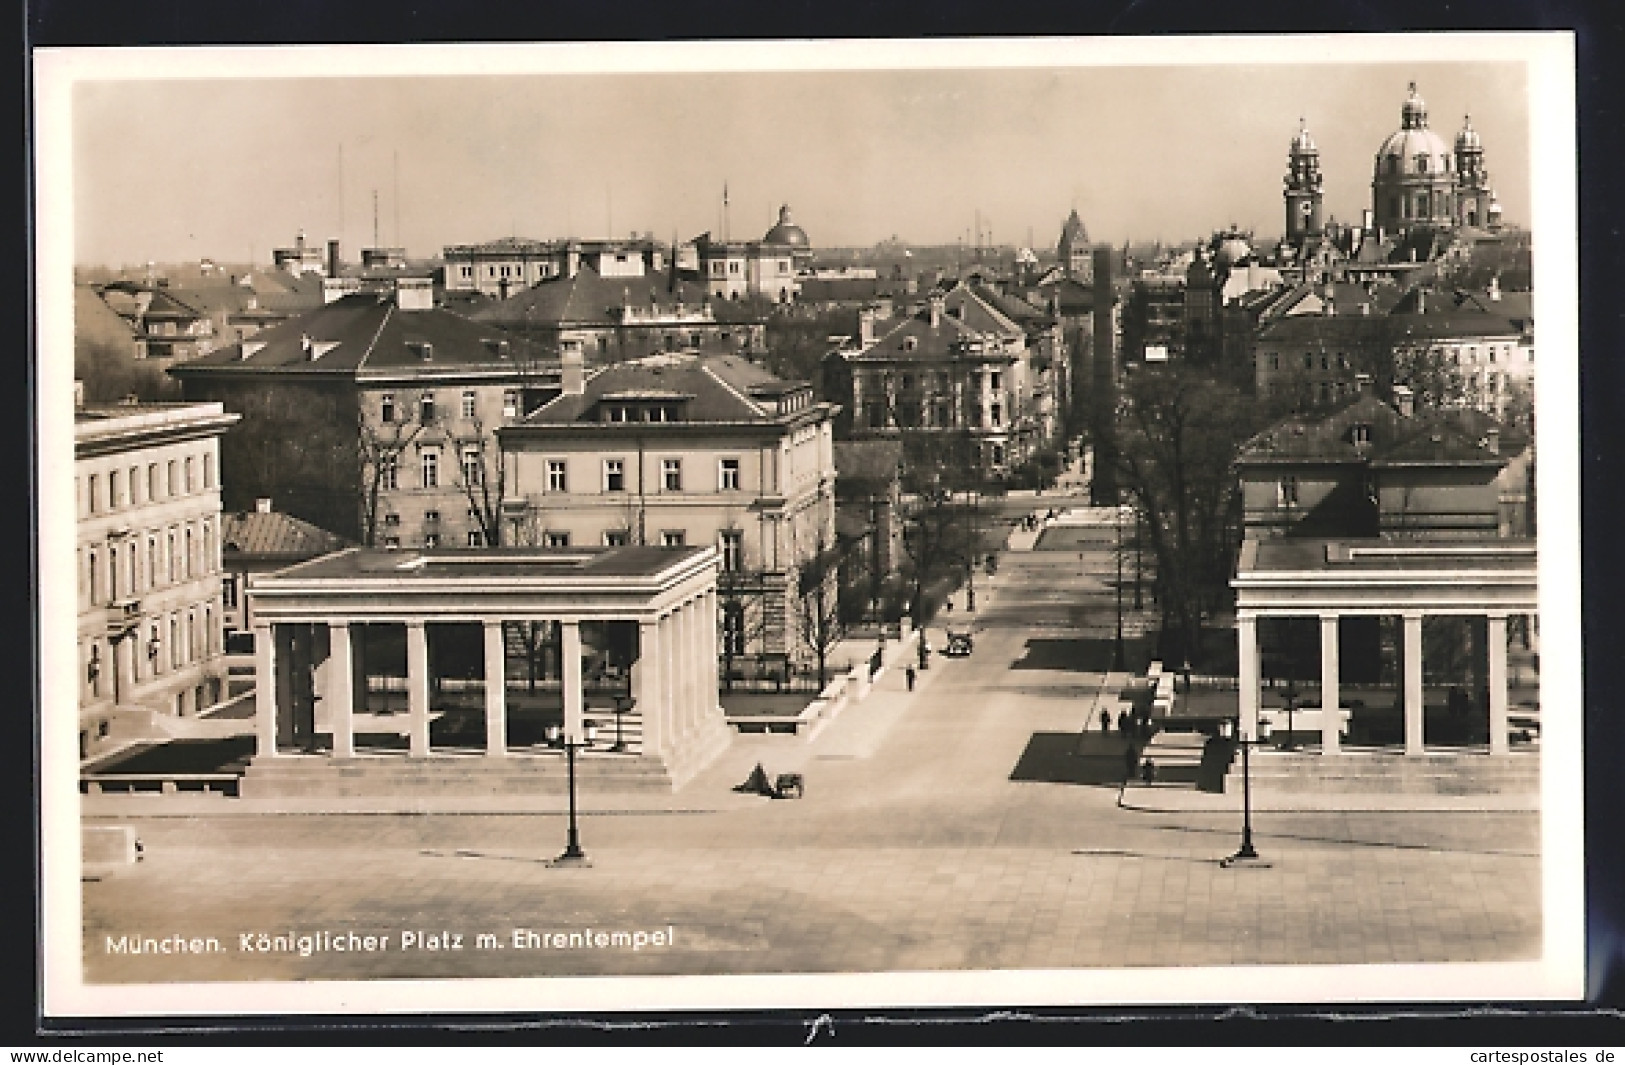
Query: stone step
x,y
1426,774
398,776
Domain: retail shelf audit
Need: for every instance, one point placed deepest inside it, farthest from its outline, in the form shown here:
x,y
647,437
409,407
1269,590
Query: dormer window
x,y
1361,435
1286,491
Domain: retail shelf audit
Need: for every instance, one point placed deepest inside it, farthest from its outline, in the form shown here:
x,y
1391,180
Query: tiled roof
x,y
284,535
588,298
1427,437
719,388
366,333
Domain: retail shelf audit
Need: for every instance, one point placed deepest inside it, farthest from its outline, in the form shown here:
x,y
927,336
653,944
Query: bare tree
x,y
818,602
380,444
482,472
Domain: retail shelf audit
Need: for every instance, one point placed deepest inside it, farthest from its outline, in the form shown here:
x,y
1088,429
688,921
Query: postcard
x,y
809,524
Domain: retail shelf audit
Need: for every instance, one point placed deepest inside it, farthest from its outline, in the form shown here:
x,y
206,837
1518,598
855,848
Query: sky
x,y
229,167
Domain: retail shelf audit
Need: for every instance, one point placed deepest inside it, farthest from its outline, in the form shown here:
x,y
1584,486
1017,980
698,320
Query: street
x,y
941,829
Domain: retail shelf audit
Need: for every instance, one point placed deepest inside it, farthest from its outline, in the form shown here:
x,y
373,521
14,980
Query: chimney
x,y
262,505
574,377
866,326
936,304
1404,400
1495,288
332,258
1492,440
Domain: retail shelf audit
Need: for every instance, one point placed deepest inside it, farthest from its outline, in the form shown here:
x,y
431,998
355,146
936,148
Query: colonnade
x,y
1412,687
673,682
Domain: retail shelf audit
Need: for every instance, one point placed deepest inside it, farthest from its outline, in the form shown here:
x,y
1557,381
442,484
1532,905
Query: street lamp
x,y
1246,857
1290,693
573,854
623,703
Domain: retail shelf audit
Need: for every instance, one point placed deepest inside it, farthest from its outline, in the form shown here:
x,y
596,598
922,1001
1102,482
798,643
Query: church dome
x,y
787,232
1413,148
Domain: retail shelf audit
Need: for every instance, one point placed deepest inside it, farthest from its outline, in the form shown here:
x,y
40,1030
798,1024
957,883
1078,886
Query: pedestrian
x,y
1105,721
1123,722
948,604
1131,762
908,674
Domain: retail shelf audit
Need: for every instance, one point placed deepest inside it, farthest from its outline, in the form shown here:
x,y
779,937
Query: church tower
x,y
1303,192
1473,193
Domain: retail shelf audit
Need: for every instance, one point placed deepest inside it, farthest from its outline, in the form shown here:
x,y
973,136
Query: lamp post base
x,y
1244,859
569,861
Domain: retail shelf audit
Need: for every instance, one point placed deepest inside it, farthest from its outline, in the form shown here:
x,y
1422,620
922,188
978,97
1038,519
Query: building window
x,y
228,592
431,516
113,490
152,482
672,538
556,481
189,485
389,473
997,413
170,563
733,629
112,574
431,539
557,539
671,474
993,380
188,555
473,468
152,562
171,481
475,539
614,475
392,542
95,487
510,403
733,550
1286,492
208,471
386,407
728,475
174,642
615,538
1308,361
430,460
426,408
468,404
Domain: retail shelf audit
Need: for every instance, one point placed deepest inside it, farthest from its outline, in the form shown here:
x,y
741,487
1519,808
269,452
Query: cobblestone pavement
x,y
913,849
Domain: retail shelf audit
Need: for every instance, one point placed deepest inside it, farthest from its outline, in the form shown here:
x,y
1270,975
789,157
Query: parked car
x,y
959,644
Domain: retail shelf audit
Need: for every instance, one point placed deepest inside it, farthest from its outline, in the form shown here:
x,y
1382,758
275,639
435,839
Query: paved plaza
x,y
913,849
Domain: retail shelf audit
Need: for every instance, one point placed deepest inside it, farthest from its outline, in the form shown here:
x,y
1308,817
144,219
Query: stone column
x,y
570,678
417,689
340,691
1414,694
265,688
1498,682
648,691
496,691
670,680
1330,697
708,664
682,697
1247,674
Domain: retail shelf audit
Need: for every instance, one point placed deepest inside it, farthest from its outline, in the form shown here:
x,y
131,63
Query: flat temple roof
x,y
376,564
1287,555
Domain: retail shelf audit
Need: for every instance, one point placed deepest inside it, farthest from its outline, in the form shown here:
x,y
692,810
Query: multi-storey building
x,y
625,314
501,268
374,417
954,366
684,449
762,269
147,488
